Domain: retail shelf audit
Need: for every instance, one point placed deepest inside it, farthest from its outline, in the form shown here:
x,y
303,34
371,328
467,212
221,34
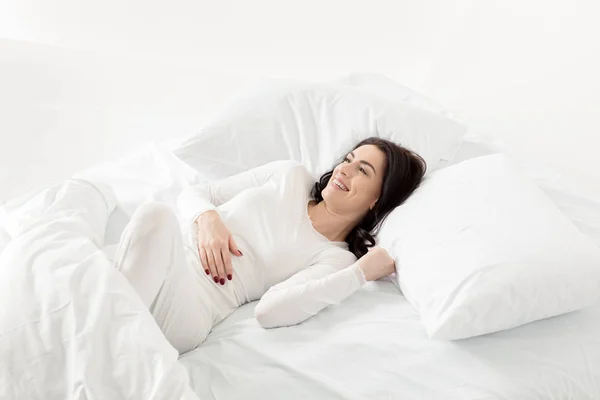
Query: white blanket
x,y
71,326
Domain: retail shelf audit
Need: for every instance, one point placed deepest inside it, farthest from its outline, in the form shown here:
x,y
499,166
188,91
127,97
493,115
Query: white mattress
x,y
372,345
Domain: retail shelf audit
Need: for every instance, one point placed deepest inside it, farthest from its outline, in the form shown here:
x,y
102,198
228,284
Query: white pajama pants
x,y
166,273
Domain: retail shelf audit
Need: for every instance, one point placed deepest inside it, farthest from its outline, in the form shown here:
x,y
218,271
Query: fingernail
x,y
207,271
216,279
222,281
229,276
241,254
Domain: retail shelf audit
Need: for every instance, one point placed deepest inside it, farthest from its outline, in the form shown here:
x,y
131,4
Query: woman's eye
x,y
361,169
346,159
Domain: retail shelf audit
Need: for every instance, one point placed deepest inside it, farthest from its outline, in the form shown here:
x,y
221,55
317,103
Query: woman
x,y
270,233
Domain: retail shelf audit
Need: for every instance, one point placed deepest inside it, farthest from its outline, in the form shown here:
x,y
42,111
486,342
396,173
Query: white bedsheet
x,y
371,346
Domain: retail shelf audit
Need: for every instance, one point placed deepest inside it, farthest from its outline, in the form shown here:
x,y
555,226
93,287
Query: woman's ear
x,y
373,205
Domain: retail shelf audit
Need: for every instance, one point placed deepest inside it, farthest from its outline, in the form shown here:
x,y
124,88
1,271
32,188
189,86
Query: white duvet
x,y
72,327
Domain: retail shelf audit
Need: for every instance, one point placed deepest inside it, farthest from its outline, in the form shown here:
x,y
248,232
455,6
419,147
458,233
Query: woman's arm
x,y
309,291
196,200
330,281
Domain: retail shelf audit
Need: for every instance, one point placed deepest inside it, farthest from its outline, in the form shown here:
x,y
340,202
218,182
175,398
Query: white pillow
x,y
479,248
314,124
387,87
575,196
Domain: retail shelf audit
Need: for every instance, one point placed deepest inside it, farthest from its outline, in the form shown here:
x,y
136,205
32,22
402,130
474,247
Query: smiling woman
x,y
371,180
302,245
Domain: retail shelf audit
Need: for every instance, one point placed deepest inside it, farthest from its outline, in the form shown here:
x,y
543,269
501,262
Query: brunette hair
x,y
403,173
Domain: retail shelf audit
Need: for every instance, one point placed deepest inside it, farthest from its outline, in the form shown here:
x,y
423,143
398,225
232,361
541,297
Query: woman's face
x,y
355,185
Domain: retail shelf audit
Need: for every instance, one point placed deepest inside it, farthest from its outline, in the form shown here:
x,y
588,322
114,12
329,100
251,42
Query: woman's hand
x,y
215,242
377,264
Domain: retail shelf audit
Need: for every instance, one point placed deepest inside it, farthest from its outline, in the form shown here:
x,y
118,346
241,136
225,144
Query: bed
x,y
95,340
373,345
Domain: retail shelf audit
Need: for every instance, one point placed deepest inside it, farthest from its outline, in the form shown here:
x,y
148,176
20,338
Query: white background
x,y
84,81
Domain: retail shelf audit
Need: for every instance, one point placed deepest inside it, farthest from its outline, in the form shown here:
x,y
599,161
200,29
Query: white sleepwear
x,y
293,269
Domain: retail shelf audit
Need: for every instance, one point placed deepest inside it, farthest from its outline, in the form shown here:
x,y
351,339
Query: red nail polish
x,y
222,281
207,271
229,276
216,279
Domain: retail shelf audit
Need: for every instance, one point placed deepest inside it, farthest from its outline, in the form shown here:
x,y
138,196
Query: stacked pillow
x,y
315,124
386,87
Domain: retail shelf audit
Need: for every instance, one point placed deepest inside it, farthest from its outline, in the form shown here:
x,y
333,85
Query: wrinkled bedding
x,y
72,327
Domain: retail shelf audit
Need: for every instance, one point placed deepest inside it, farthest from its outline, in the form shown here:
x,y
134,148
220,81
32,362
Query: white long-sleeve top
x,y
293,269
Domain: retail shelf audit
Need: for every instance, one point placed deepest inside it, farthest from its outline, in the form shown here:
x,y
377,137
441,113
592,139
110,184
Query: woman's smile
x,y
337,184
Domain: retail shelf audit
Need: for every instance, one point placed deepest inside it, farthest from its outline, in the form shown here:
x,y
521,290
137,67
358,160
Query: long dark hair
x,y
403,174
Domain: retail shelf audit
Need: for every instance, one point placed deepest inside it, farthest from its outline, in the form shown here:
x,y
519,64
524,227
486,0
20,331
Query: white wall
x,y
63,110
83,81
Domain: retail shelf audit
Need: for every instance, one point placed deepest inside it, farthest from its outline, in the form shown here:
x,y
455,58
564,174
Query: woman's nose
x,y
344,169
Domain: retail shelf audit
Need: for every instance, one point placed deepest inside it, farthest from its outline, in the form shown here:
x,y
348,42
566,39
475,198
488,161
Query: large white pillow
x,y
575,196
314,124
387,87
479,248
